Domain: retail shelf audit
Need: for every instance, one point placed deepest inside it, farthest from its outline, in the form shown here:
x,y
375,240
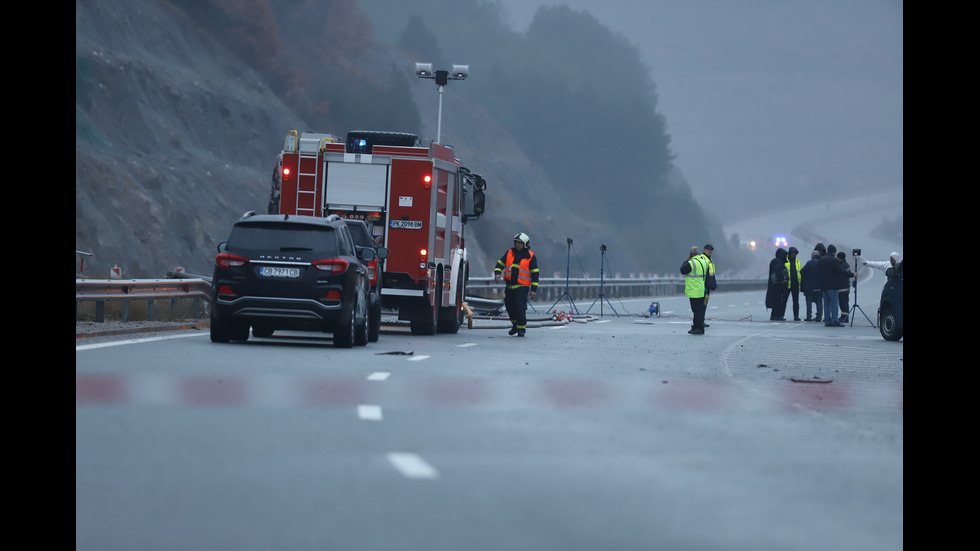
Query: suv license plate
x,y
272,271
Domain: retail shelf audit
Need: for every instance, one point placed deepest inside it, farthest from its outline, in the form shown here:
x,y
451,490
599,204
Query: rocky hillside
x,y
175,138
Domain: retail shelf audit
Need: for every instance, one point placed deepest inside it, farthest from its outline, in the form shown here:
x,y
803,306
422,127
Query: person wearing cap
x,y
695,270
883,265
519,269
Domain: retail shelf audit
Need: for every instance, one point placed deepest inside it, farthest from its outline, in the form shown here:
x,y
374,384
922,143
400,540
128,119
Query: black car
x,y
361,234
891,319
290,272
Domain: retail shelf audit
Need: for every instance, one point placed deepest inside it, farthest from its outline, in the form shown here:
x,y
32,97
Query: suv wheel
x,y
220,330
343,335
888,325
361,329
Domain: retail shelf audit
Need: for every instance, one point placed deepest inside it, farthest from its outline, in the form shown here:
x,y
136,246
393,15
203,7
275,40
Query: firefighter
x,y
519,267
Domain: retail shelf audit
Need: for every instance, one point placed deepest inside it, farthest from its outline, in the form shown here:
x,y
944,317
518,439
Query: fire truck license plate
x,y
407,224
272,271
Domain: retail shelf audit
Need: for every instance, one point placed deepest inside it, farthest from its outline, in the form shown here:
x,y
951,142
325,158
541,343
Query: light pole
x,y
442,78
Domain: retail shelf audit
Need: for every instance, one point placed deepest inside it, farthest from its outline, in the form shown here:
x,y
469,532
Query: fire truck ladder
x,y
306,188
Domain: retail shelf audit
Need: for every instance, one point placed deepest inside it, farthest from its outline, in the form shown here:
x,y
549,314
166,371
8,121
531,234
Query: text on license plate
x,y
407,224
275,271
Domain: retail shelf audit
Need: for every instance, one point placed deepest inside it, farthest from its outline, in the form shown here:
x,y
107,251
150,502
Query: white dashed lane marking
x,y
412,466
369,412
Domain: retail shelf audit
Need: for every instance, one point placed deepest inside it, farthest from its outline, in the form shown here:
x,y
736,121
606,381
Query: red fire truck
x,y
415,198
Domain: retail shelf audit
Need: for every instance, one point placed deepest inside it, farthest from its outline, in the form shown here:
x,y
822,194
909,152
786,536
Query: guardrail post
x,y
100,311
149,310
125,310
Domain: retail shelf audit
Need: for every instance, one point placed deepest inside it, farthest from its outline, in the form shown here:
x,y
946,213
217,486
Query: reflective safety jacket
x,y
694,276
793,274
518,268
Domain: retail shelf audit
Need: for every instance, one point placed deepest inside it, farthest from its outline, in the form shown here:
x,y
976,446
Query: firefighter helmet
x,y
523,238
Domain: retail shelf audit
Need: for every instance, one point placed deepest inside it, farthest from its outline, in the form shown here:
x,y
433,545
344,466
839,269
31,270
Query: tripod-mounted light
x,y
602,295
442,78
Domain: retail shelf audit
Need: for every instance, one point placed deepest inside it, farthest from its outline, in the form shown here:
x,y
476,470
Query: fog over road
x,y
847,223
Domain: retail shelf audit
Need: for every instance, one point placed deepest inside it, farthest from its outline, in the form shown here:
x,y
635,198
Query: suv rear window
x,y
360,236
284,238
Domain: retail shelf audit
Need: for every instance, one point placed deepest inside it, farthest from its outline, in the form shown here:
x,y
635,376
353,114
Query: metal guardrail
x,y
550,289
101,291
198,288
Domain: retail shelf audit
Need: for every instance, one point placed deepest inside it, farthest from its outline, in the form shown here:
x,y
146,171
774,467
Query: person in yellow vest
x,y
519,269
695,271
793,268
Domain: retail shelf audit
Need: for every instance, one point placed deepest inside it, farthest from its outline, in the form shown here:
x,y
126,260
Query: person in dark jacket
x,y
829,271
811,291
844,286
793,269
778,290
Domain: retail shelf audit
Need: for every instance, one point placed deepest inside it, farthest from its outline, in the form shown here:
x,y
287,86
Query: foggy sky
x,y
770,104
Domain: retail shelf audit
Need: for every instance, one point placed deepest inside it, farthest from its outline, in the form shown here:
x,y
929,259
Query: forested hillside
x,y
181,107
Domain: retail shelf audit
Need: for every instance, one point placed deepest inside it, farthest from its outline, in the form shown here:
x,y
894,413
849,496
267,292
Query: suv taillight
x,y
228,260
372,267
332,265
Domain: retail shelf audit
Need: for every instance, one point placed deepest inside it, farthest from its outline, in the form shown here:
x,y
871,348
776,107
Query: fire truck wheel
x,y
374,326
451,317
424,320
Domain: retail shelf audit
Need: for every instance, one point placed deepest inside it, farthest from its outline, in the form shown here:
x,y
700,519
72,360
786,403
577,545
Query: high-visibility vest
x,y
694,280
523,268
789,284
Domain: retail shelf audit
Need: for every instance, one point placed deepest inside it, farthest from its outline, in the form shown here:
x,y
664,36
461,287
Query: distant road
x,y
847,222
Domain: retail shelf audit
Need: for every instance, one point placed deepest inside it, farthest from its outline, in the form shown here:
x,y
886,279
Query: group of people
x,y
699,281
825,282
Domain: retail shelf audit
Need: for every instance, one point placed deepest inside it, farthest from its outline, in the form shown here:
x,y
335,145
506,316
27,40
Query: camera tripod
x,y
854,308
568,269
602,295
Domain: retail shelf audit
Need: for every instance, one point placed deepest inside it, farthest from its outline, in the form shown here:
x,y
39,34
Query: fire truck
x,y
415,198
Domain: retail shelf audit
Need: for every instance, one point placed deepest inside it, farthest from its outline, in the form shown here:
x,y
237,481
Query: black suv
x,y
290,272
363,239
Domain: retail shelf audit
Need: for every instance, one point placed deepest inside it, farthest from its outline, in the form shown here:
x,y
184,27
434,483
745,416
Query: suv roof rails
x,y
248,214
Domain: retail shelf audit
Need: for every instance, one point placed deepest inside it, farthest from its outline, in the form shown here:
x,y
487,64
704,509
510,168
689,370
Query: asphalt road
x,y
616,432
613,432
